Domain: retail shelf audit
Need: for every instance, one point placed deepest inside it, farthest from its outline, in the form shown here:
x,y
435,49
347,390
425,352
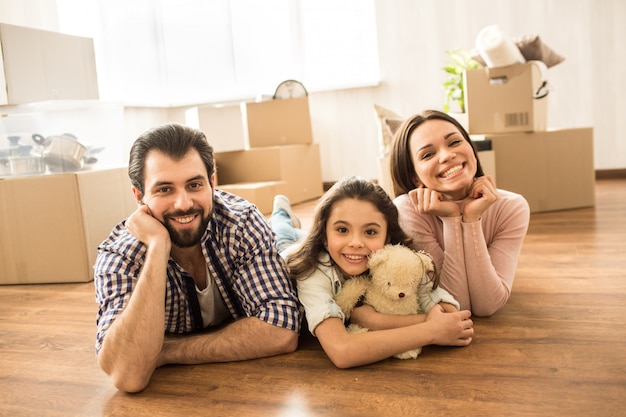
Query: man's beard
x,y
189,237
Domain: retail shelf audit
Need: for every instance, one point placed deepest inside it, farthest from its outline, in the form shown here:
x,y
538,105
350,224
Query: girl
x,y
353,219
450,209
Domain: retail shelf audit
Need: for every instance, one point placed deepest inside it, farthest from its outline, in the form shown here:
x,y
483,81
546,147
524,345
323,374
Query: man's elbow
x,y
287,343
130,384
131,381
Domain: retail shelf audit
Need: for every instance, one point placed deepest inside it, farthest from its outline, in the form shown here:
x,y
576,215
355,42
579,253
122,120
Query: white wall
x,y
588,88
40,14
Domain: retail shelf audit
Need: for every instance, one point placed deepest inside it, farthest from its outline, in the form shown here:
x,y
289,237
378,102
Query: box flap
x,y
106,199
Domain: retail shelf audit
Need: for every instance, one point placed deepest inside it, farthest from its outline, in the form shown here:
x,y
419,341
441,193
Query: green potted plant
x,y
460,61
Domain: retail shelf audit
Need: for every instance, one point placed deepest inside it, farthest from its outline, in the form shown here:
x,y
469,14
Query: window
x,y
185,52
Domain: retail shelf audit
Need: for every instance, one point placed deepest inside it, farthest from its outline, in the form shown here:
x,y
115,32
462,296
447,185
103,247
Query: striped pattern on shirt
x,y
250,274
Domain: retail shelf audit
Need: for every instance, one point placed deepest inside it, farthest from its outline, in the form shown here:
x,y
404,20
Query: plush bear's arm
x,y
428,297
353,289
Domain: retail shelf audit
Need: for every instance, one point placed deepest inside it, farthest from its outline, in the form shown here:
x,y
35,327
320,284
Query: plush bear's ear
x,y
378,257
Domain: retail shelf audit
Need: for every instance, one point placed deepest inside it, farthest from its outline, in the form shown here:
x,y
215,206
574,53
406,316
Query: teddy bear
x,y
399,282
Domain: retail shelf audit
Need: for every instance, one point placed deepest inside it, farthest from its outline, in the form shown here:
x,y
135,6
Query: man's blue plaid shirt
x,y
239,249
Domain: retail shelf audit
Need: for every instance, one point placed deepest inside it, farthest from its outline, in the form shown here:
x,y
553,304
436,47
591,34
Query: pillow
x,y
393,125
387,122
532,49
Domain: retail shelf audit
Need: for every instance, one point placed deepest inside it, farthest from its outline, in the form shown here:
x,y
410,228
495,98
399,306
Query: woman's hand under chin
x,y
428,201
482,195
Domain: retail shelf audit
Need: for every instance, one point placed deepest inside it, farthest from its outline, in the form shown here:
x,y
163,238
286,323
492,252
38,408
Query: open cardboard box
x,y
92,122
506,99
51,225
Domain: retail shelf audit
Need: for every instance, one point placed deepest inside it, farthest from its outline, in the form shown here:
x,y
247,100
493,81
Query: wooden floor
x,y
557,349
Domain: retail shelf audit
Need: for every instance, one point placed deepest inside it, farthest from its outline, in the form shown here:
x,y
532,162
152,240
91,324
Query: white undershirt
x,y
212,306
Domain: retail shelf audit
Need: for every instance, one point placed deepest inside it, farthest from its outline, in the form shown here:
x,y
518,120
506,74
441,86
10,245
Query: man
x,y
190,258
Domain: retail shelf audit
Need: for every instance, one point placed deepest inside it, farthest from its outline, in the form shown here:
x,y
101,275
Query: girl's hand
x,y
366,316
450,329
427,201
482,194
363,316
448,308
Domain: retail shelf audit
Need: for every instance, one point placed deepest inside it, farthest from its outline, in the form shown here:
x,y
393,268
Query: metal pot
x,y
62,153
5,169
26,165
15,148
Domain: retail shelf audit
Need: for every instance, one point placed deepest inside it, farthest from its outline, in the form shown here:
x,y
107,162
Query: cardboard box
x,y
223,127
278,122
38,65
51,225
256,124
488,162
297,165
553,170
506,99
259,193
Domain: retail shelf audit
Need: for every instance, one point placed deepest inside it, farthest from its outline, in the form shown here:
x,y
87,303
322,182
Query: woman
x,y
453,211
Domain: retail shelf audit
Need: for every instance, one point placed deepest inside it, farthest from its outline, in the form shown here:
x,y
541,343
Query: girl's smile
x,y
354,230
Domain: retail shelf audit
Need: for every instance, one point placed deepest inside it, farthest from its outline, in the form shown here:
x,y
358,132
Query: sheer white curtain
x,y
184,52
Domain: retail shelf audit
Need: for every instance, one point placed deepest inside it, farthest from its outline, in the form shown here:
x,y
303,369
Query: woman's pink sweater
x,y
476,261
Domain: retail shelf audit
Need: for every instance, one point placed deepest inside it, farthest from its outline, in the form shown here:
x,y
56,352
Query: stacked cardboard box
x,y
52,224
263,149
553,169
506,99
